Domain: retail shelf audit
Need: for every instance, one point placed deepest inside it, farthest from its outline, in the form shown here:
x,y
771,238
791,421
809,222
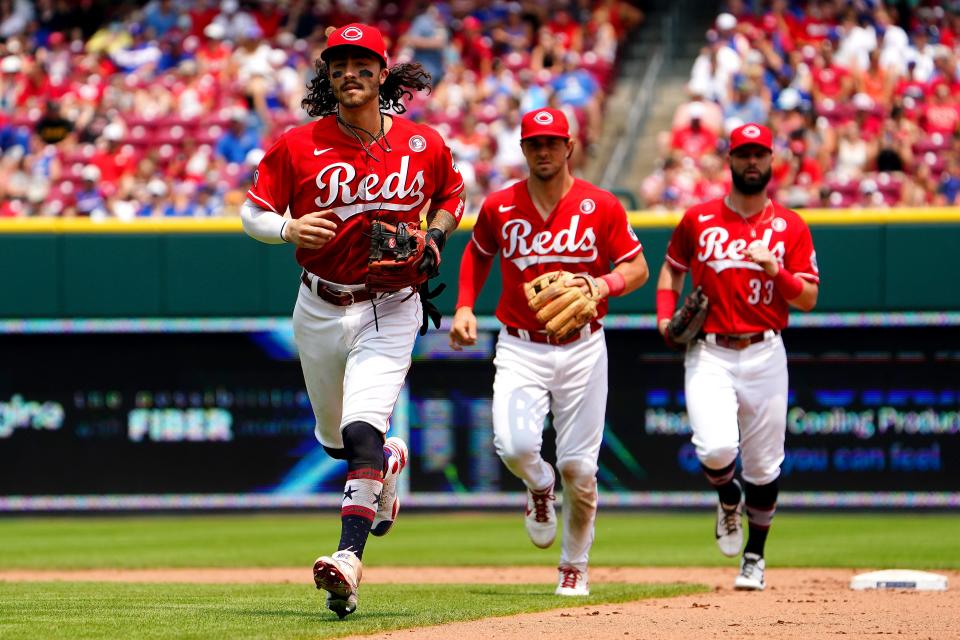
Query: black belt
x,y
542,338
737,342
339,298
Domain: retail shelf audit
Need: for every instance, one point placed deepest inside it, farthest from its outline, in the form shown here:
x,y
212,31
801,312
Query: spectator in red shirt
x,y
830,80
694,139
567,31
476,49
941,114
797,175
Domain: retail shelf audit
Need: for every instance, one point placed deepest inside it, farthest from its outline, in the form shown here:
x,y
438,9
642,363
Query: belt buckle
x,y
343,297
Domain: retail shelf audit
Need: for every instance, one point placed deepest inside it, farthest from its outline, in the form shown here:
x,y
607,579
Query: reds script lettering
x,y
545,245
712,241
335,180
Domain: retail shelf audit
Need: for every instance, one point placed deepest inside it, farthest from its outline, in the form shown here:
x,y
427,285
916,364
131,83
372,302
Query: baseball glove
x,y
688,319
400,256
562,308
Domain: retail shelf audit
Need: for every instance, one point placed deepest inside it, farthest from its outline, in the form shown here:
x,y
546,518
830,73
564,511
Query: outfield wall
x,y
870,260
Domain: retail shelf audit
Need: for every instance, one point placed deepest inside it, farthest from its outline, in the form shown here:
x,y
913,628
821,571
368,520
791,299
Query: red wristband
x,y
666,303
615,283
789,285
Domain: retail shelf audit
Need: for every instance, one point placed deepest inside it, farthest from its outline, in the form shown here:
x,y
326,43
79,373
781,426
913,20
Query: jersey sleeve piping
x,y
251,194
810,277
677,265
473,238
637,249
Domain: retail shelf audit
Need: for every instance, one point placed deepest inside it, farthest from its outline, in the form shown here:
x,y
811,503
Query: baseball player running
x,y
548,222
753,258
339,176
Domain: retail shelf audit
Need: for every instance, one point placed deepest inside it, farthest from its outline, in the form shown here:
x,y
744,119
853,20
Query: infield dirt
x,y
797,604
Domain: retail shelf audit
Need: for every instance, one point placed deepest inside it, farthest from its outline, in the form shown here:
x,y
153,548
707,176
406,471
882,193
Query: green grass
x,y
907,540
105,610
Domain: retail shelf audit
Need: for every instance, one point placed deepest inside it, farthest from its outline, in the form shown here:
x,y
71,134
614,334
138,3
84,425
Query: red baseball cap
x,y
544,122
356,35
751,134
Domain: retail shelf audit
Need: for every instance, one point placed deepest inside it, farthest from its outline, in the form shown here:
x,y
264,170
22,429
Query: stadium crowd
x,y
862,97
164,108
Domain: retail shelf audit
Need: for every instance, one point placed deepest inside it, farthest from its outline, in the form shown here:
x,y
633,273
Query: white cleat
x,y
395,453
730,528
751,573
572,582
339,575
541,516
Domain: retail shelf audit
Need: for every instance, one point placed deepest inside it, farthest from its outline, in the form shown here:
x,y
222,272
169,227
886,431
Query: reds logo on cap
x,y
356,35
543,117
544,122
751,134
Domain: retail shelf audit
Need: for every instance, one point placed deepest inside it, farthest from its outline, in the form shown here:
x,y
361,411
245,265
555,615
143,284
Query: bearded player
x,y
336,175
754,259
550,221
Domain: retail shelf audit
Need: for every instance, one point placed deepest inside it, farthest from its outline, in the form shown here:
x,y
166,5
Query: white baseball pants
x,y
571,381
737,401
353,365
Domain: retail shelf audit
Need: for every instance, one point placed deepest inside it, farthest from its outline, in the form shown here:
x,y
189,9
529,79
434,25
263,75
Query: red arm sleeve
x,y
474,269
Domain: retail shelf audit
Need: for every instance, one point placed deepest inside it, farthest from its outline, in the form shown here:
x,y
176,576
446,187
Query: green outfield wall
x,y
869,260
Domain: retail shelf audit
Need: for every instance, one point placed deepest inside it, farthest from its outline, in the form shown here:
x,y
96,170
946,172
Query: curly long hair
x,y
403,80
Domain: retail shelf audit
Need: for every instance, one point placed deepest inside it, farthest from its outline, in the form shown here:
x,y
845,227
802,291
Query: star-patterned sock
x,y
361,497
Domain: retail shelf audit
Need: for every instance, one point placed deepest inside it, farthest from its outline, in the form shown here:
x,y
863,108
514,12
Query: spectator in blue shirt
x,y
239,138
161,17
746,105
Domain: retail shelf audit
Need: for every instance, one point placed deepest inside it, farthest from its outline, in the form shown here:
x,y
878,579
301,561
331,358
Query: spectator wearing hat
x,y
11,82
90,199
694,139
155,202
711,113
114,160
474,48
53,127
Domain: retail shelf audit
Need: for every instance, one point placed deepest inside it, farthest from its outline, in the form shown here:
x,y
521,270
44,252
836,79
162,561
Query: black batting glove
x,y
435,239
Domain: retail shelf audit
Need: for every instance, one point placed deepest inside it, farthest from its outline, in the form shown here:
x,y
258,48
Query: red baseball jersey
x,y
316,167
586,232
711,242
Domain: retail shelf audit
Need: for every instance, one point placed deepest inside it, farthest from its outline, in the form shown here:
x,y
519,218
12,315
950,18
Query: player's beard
x,y
750,186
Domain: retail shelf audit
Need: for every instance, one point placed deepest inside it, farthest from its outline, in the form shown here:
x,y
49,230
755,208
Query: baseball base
x,y
899,579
